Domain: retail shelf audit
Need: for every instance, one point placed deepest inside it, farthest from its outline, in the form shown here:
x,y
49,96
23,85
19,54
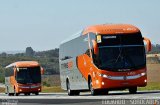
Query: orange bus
x,y
23,77
102,58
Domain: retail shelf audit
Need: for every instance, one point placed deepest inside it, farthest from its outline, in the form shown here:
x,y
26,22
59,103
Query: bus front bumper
x,y
120,82
29,89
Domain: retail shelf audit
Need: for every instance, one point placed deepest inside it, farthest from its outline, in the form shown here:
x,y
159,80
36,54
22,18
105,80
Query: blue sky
x,y
43,24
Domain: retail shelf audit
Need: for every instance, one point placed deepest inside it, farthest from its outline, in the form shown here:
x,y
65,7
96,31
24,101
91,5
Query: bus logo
x,y
70,65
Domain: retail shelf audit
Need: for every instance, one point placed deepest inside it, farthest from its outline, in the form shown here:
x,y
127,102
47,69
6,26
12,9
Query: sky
x,y
44,24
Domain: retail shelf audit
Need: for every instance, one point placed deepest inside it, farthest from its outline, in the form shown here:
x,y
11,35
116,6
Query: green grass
x,y
52,89
151,86
2,90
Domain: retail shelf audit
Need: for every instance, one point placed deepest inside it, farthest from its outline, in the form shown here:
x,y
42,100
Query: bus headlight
x,y
103,75
143,74
145,80
102,83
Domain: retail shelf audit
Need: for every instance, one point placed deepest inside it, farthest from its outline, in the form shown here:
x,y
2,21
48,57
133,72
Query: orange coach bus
x,y
23,77
102,58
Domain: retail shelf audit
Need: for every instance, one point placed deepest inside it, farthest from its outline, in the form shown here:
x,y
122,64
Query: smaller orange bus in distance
x,y
23,77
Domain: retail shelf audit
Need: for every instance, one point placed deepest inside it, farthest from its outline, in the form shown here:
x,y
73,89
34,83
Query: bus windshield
x,y
121,53
28,75
122,57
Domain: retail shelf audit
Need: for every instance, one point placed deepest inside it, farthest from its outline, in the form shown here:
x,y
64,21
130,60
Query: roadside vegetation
x,y
151,86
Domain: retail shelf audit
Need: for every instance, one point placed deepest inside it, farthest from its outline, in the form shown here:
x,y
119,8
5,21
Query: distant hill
x,y
155,49
12,52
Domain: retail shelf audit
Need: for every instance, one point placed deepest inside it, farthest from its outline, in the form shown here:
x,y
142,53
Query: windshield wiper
x,y
119,55
130,60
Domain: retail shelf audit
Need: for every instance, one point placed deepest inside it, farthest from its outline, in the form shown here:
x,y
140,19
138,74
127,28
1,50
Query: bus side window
x,y
95,57
9,72
92,37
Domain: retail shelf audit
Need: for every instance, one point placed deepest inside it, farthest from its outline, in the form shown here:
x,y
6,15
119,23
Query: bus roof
x,y
24,64
72,37
105,29
111,29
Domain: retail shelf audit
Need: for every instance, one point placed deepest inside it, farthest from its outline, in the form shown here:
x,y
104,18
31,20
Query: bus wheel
x,y
133,90
93,91
76,92
10,94
25,94
36,93
103,92
15,94
70,92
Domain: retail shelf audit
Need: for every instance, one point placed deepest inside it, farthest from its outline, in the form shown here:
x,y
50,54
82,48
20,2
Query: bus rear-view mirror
x,y
95,47
148,44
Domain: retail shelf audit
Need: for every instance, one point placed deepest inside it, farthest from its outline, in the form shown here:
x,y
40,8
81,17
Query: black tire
x,y
133,90
25,94
76,92
103,92
15,94
37,93
10,94
93,91
70,92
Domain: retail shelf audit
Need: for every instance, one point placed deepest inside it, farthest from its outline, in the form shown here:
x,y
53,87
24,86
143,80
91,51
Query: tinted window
x,y
122,51
121,39
9,72
29,75
115,58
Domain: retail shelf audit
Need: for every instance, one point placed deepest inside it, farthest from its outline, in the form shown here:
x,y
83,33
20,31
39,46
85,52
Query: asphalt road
x,y
118,98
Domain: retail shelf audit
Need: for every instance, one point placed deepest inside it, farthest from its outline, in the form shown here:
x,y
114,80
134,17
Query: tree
x,y
30,51
4,54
